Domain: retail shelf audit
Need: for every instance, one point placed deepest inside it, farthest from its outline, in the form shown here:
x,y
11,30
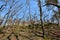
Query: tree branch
x,y
52,4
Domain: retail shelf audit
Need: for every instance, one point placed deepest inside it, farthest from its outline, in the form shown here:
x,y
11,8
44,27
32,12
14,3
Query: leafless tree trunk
x,y
39,4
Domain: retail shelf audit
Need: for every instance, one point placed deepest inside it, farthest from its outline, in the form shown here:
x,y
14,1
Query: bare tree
x,y
56,14
11,12
40,10
7,13
30,16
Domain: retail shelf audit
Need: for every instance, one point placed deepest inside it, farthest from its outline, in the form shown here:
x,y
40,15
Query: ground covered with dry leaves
x,y
29,33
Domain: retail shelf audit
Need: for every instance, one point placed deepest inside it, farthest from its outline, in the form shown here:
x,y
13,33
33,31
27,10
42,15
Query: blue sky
x,y
33,8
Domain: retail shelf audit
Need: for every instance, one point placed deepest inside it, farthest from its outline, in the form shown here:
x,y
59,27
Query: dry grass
x,y
26,33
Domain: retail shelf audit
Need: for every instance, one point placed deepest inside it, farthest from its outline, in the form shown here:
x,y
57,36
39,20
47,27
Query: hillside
x,y
52,32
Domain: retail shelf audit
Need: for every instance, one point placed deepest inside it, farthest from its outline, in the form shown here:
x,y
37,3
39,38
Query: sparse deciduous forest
x,y
29,19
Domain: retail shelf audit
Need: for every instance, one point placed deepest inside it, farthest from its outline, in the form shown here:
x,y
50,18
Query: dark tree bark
x,y
39,4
